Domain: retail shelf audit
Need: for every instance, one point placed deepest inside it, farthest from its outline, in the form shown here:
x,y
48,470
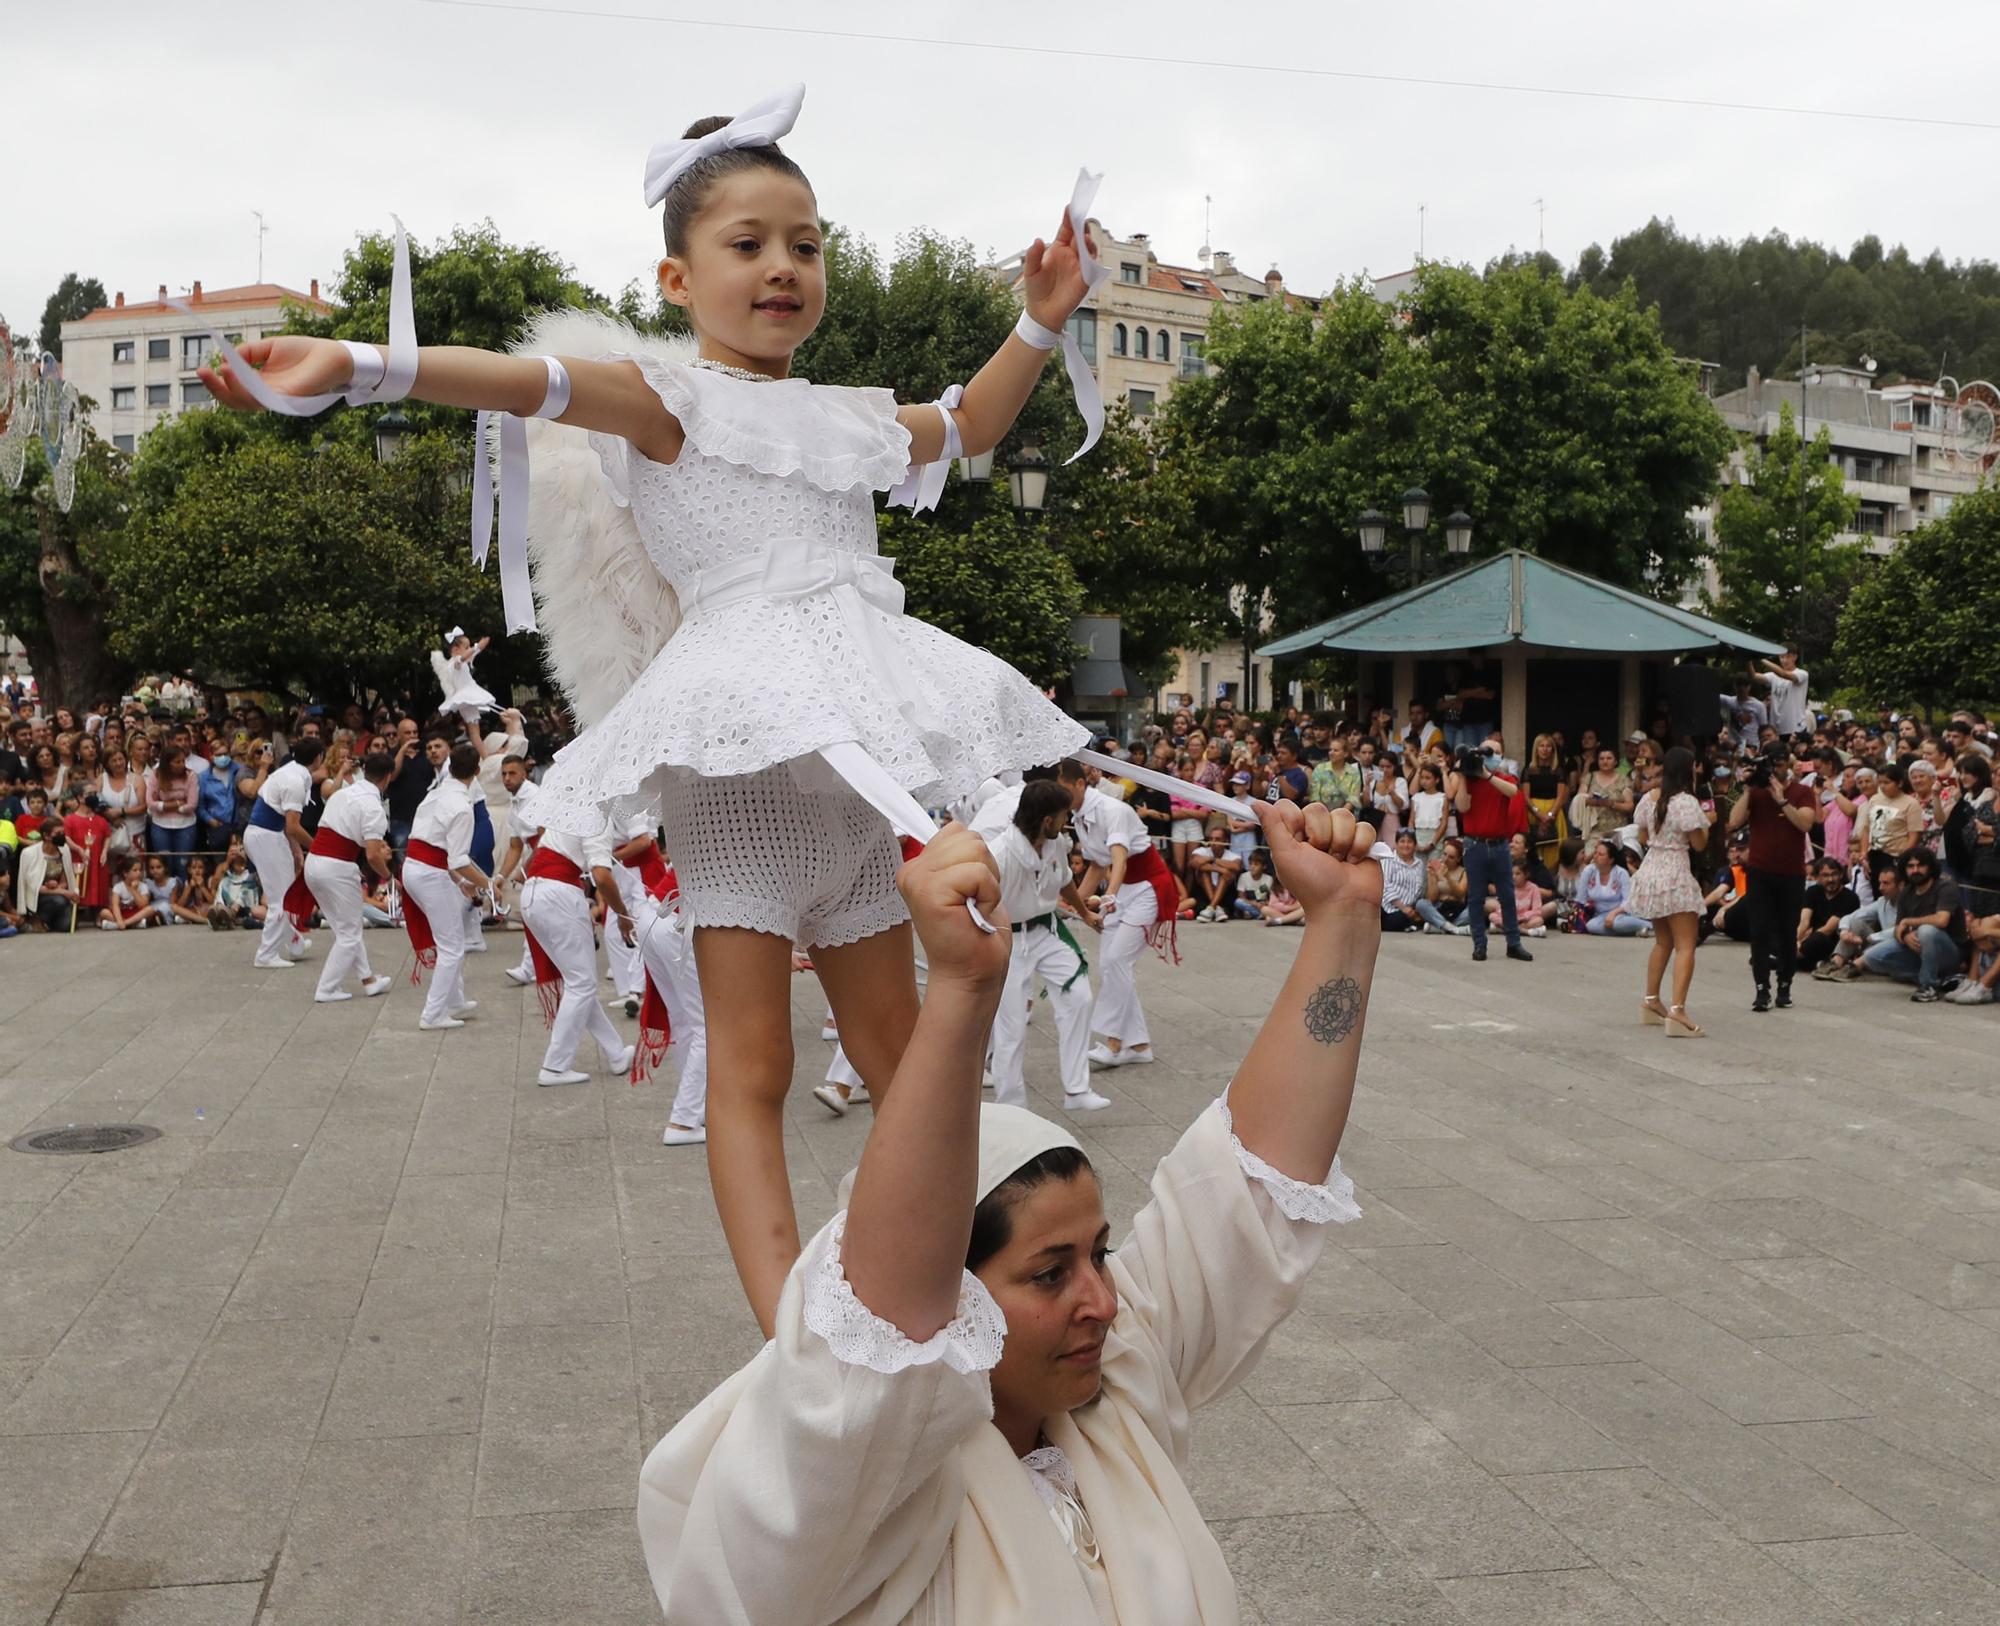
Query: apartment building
x,y
137,360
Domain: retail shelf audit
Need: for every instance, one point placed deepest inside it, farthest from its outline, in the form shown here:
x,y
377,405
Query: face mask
x,y
222,759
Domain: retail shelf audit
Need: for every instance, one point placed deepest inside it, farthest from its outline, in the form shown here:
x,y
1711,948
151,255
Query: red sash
x,y
415,922
654,874
1148,867
332,844
300,904
548,865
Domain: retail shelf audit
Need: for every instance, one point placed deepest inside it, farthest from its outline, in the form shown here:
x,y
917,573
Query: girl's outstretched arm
x,y
1290,1097
910,1216
1052,286
610,396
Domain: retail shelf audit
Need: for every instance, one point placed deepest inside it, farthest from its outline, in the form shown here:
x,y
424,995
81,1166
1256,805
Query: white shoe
x,y
858,1096
476,944
829,1032
1086,1101
1971,993
333,998
263,964
376,985
550,1075
1128,1057
440,1025
986,1081
677,1136
518,977
621,1063
1102,1056
466,1009
830,1098
1536,931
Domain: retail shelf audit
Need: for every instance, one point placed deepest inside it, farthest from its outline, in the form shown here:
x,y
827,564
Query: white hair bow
x,y
454,635
760,125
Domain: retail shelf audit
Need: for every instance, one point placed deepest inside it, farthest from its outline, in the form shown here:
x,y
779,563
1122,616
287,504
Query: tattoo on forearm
x,y
1333,1010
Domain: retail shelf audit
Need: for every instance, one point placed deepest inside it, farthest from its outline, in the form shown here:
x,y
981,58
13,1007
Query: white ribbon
x,y
482,484
1187,790
400,374
1089,397
759,125
924,484
517,599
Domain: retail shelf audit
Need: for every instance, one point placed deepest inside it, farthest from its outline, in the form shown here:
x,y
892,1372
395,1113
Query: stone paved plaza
x,y
1632,1330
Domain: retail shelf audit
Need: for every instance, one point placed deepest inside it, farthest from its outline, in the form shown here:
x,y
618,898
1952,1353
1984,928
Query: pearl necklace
x,y
728,371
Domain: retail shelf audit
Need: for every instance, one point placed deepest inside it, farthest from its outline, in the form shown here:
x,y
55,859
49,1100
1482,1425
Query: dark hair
x,y
1039,799
1895,773
993,1219
1975,767
1571,851
688,195
513,756
464,761
1676,779
308,749
378,765
1918,855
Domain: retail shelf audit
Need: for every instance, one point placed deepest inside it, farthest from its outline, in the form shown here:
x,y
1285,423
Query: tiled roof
x,y
1181,279
251,294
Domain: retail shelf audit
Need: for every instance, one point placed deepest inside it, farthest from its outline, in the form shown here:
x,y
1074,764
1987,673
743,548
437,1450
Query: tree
x,y
1779,572
75,298
306,570
997,584
1918,627
53,595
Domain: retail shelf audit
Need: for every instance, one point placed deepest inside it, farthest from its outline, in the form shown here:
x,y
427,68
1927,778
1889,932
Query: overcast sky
x,y
155,130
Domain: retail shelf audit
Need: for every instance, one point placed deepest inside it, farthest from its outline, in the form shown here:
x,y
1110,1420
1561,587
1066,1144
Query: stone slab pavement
x,y
1632,1330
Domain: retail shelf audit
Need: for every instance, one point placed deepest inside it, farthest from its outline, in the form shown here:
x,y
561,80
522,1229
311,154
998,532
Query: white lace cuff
x,y
970,1342
1331,1203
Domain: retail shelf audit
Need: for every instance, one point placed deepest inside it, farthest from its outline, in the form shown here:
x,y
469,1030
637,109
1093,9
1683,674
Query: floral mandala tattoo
x,y
1333,1010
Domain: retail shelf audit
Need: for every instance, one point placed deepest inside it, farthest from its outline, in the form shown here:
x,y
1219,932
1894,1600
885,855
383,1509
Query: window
x,y
193,392
1144,348
235,338
1083,324
159,395
1120,340
1141,402
1128,272
156,349
125,398
1192,366
194,349
1163,346
121,351
123,443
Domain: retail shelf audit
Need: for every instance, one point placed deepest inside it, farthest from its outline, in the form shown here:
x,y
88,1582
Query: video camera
x,y
1758,775
1471,762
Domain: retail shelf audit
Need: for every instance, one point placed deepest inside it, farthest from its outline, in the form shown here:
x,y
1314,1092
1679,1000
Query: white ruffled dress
x,y
792,639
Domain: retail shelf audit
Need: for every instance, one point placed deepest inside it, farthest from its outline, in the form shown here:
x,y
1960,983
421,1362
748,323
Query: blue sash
x,y
482,835
266,817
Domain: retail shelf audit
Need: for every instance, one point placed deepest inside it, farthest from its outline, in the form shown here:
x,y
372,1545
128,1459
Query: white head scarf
x,y
1010,1138
762,124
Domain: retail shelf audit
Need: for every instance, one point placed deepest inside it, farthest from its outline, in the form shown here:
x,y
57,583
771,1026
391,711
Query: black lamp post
x,y
1028,476
392,429
1372,527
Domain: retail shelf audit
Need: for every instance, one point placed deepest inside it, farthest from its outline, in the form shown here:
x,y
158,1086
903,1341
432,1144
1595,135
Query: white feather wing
x,y
603,609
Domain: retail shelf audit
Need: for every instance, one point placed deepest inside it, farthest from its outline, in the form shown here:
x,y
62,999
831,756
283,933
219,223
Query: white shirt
x,y
288,789
1103,823
356,811
586,852
1788,701
1031,882
639,824
521,819
996,813
1402,884
444,819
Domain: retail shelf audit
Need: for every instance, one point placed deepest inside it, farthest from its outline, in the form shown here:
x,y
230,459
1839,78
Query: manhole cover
x,y
86,1138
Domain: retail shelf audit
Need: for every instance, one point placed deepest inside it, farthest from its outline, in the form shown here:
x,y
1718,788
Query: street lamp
x,y
1416,509
1028,475
392,429
977,468
1458,531
1374,528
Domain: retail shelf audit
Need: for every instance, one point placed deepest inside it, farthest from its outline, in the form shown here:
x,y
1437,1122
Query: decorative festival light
x,y
36,401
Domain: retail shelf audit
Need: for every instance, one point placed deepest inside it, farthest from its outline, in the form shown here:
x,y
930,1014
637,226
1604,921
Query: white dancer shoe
x,y
829,1032
858,1096
1100,1055
476,943
376,985
263,964
830,1098
333,998
677,1136
518,977
440,1025
1086,1101
550,1075
621,1063
466,1009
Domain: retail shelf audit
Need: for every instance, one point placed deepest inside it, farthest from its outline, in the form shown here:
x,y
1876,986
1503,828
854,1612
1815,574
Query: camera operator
x,y
1490,810
1779,813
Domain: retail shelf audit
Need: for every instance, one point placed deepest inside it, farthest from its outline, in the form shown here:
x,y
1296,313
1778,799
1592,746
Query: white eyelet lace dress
x,y
792,640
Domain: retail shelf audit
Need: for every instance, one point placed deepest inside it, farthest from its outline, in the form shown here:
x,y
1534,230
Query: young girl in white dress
x,y
753,494
453,668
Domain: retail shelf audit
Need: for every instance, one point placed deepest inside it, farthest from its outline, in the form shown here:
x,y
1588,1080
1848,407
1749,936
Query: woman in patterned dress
x,y
1670,823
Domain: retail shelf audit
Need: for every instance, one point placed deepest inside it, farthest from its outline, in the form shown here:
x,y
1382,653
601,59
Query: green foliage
x,y
1743,304
997,584
1919,626
75,298
268,563
1777,532
56,605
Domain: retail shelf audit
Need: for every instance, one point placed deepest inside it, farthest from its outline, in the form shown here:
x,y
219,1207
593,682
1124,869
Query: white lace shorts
x,y
815,866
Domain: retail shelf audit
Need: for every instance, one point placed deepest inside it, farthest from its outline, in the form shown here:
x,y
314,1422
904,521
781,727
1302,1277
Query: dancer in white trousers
x,y
353,829
1138,903
438,876
556,912
630,855
276,843
1033,855
670,977
524,830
